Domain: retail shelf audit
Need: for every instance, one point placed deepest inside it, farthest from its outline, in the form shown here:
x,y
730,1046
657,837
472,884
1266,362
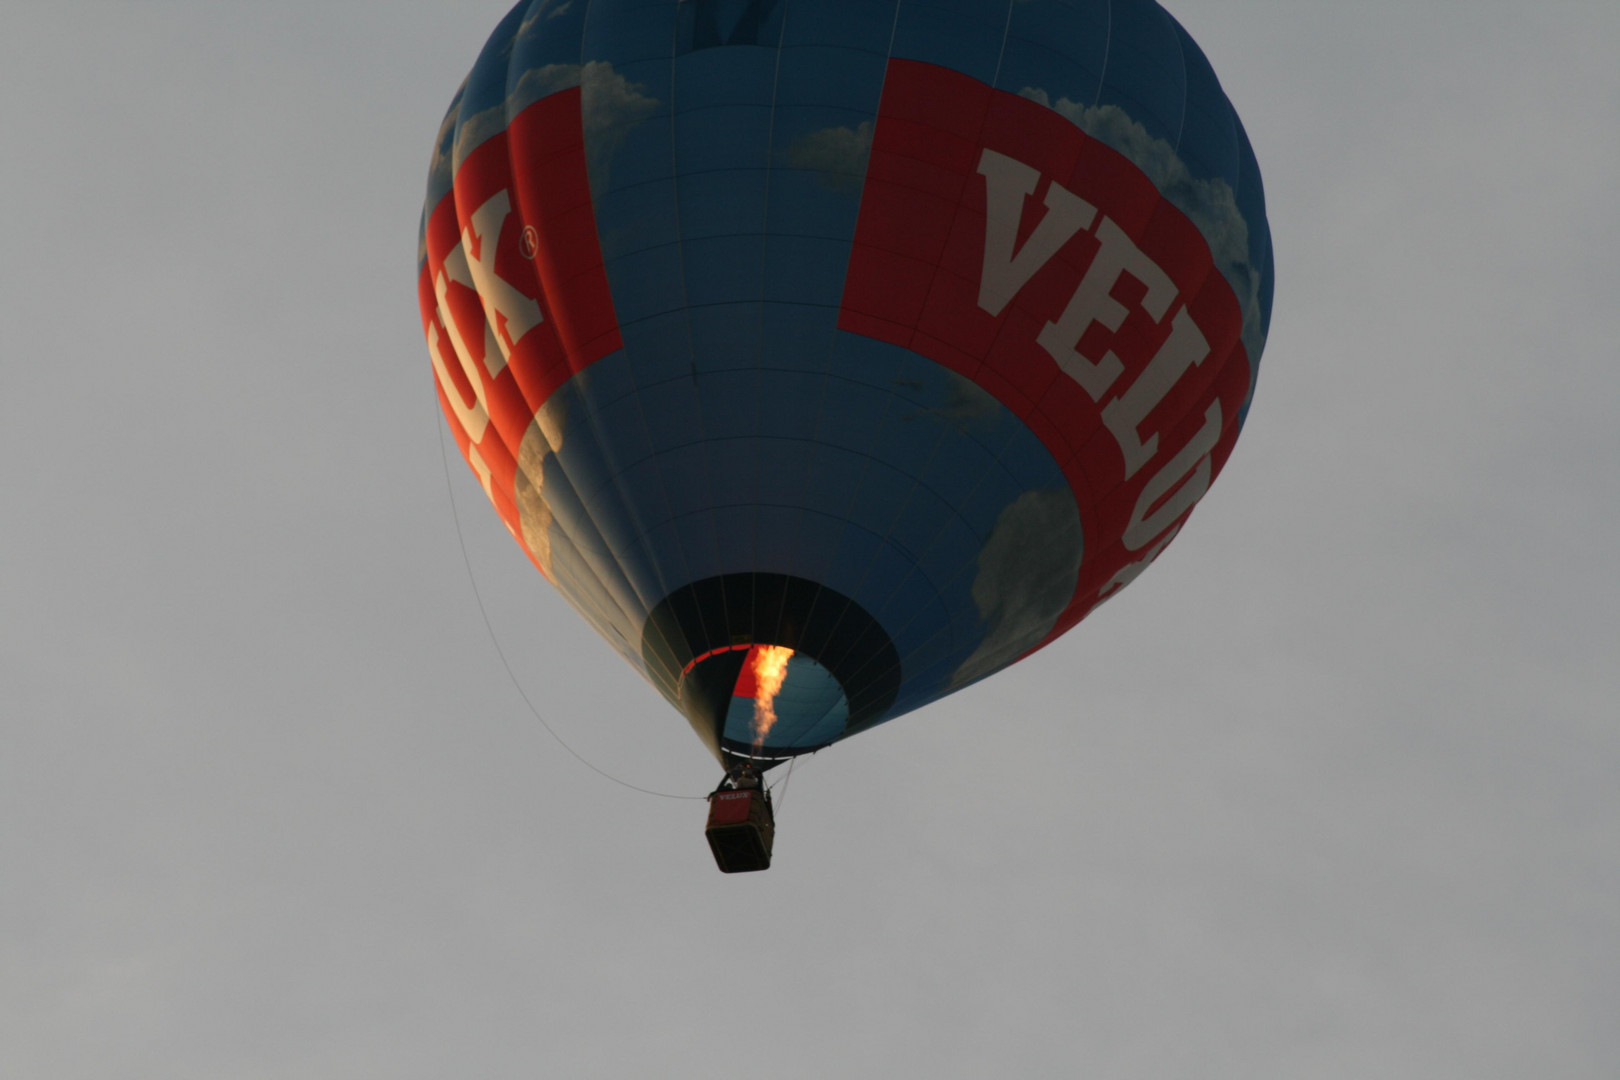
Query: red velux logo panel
x,y
513,293
1000,240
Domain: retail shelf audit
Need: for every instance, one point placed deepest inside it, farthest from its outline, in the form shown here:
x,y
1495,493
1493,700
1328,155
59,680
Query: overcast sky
x,y
1332,792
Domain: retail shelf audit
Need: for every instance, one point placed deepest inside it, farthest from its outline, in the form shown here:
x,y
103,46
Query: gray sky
x,y
1332,792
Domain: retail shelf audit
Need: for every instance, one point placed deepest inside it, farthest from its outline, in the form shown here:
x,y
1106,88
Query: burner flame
x,y
770,669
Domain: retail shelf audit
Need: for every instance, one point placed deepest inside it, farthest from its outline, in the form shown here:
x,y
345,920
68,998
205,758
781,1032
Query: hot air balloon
x,y
829,356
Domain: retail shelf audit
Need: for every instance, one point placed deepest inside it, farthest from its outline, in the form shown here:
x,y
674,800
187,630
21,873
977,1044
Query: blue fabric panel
x,y
725,337
642,483
829,475
962,34
1030,68
723,137
922,522
601,385
552,32
673,414
617,424
729,203
712,77
855,24
790,403
625,32
712,24
731,410
830,76
722,269
441,172
485,88
1145,74
818,167
654,347
687,471
629,153
873,363
1056,46
1078,29
606,556
686,548
805,269
918,689
1209,145
1251,200
643,217
805,203
647,283
800,337
775,530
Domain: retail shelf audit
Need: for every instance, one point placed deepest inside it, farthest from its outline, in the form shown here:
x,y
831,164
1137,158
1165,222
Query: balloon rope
x,y
779,789
466,559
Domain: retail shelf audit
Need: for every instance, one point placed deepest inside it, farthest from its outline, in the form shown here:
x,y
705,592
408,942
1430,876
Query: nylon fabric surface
x,y
714,294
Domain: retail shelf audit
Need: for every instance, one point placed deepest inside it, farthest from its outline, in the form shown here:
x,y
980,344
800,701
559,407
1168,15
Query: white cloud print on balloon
x,y
1211,204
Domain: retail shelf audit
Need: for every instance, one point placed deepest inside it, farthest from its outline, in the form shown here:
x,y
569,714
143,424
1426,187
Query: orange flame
x,y
770,669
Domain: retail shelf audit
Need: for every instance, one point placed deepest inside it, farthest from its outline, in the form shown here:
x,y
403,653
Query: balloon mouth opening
x,y
781,702
770,666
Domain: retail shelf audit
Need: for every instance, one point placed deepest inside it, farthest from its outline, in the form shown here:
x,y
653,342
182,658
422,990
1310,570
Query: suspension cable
x,y
466,559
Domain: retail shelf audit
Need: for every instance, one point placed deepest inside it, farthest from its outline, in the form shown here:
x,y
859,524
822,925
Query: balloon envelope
x,y
830,355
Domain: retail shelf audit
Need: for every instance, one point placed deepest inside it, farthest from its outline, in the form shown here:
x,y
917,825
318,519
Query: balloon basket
x,y
741,829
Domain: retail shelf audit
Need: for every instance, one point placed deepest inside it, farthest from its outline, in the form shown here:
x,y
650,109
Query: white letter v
x,y
1006,184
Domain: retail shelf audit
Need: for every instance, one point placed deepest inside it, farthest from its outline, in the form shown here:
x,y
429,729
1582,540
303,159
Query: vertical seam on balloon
x,y
949,583
938,273
888,62
500,652
460,220
990,470
631,513
894,28
1108,54
868,459
764,270
810,460
641,537
1239,137
516,452
644,534
1006,30
600,546
603,447
886,539
1245,151
1172,528
1181,52
691,346
887,536
572,535
833,346
1184,300
590,544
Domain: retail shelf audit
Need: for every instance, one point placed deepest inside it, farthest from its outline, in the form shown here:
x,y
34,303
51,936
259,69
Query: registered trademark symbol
x,y
530,243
